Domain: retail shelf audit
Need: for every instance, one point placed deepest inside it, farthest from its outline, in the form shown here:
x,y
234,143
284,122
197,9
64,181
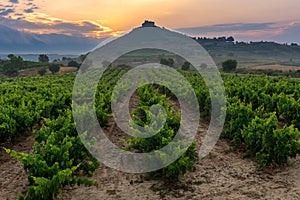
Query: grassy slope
x,y
247,54
253,54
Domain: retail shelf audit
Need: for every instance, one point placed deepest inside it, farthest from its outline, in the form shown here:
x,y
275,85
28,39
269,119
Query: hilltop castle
x,y
148,24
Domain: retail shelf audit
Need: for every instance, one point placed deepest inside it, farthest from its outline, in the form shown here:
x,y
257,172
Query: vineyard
x,y
262,121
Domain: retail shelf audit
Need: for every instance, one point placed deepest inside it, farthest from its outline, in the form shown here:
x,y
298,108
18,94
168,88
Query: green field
x,y
263,115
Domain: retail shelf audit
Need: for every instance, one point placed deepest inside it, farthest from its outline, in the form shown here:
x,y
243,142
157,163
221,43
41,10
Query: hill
x,y
14,41
252,53
247,54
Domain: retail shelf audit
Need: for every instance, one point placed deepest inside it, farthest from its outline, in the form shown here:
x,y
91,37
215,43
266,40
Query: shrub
x,y
42,71
58,158
73,63
269,144
165,135
54,68
229,65
186,66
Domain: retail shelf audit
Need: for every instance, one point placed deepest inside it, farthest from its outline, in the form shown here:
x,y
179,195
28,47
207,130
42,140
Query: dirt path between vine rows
x,y
223,174
13,178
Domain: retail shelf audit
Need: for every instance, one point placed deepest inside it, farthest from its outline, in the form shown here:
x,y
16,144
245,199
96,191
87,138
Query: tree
x,y
66,58
186,66
56,60
230,39
169,62
229,65
164,61
13,65
42,71
222,39
43,58
83,57
73,63
54,68
294,44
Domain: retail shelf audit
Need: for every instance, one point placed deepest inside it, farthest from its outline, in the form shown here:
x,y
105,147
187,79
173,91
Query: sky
x,y
99,18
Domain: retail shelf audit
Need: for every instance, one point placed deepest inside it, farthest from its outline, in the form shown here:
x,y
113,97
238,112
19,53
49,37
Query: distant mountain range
x,y
18,42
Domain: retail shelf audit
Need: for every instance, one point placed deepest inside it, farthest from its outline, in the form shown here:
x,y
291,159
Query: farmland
x,y
262,122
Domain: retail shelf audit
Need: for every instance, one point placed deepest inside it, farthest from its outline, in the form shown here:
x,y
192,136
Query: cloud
x,y
17,6
23,42
29,10
14,1
290,33
6,6
219,28
46,25
82,26
35,22
5,12
283,32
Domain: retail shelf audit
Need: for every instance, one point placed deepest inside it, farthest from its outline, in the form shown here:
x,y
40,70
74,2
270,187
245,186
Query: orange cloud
x,y
121,15
43,24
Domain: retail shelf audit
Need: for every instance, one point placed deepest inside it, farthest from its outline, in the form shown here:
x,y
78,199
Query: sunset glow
x,y
94,18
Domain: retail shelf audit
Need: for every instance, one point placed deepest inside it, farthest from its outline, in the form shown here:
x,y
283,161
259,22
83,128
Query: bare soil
x,y
275,67
64,70
13,178
223,174
34,71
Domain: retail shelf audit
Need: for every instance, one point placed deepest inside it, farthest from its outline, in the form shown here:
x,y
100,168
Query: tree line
x,y
13,64
229,65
